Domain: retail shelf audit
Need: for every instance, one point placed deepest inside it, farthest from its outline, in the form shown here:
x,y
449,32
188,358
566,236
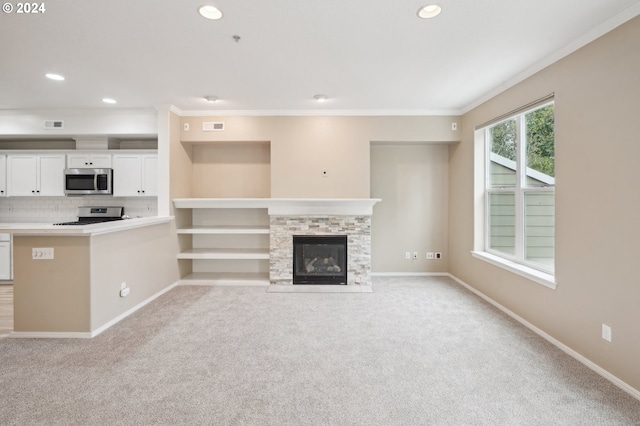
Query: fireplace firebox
x,y
320,259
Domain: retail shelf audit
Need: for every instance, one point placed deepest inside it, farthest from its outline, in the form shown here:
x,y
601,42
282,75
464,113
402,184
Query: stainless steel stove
x,y
89,215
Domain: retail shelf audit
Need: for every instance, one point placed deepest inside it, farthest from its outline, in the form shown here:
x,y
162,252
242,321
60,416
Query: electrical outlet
x,y
42,253
186,127
454,126
407,255
429,255
438,255
606,332
123,285
415,255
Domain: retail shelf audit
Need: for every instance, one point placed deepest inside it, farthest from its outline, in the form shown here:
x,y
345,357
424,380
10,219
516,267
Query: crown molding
x,y
597,32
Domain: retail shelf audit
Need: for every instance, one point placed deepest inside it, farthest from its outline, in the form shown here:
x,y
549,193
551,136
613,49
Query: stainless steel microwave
x,y
88,181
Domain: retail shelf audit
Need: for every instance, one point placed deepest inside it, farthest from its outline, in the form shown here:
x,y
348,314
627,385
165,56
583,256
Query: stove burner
x,y
90,221
89,215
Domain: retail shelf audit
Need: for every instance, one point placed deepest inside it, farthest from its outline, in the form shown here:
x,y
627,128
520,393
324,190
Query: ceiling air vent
x,y
53,124
211,126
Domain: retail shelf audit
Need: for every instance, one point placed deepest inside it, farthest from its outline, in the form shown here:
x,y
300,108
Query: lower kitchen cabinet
x,y
5,257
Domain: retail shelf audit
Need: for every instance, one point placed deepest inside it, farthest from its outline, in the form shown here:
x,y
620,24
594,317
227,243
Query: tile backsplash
x,y
63,209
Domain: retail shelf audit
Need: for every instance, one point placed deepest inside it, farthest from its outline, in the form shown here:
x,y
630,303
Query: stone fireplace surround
x,y
350,217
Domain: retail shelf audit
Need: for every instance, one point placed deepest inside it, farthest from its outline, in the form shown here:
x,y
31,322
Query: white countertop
x,y
48,229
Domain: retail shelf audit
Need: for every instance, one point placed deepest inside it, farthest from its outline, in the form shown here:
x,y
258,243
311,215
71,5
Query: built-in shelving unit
x,y
230,242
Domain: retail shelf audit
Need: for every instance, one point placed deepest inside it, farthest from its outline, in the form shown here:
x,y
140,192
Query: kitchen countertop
x,y
48,229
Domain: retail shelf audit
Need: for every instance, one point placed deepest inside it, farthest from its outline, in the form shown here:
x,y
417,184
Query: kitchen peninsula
x,y
68,279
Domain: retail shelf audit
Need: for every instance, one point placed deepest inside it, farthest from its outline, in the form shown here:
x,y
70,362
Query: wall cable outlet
x,y
606,332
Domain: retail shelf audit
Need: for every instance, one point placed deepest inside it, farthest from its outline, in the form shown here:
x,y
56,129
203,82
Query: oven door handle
x,y
95,182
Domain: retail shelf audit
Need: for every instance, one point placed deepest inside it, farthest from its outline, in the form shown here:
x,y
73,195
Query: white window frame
x,y
514,263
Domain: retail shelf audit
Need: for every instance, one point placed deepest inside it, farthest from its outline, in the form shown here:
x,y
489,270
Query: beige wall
x,y
597,90
144,258
180,186
51,295
413,181
232,170
302,148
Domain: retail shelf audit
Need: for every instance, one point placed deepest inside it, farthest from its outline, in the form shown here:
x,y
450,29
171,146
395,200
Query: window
x,y
519,188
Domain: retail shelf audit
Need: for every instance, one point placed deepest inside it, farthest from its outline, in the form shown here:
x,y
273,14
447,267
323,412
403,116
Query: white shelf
x,y
225,230
234,230
225,254
285,206
226,278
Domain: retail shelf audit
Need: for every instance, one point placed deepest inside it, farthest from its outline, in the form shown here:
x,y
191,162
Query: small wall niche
x,y
232,170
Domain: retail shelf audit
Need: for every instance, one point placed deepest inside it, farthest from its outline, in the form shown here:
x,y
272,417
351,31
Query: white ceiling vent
x,y
53,124
212,126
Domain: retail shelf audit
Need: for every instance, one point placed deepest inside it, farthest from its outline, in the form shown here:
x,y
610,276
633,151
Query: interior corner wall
x,y
180,186
597,89
412,180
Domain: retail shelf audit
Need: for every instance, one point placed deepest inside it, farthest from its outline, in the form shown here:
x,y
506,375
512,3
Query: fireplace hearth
x,y
320,259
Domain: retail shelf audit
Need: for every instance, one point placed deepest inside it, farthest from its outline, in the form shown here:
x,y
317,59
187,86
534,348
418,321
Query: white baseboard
x,y
566,349
94,333
410,274
50,335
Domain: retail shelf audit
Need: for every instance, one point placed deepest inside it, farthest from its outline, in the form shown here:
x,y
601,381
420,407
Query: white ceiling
x,y
367,56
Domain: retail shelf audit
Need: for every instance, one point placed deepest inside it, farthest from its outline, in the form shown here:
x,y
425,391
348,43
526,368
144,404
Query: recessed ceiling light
x,y
57,77
212,99
320,98
108,101
210,12
429,11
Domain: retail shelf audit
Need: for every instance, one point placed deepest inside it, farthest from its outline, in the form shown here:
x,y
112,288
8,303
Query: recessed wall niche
x,y
232,170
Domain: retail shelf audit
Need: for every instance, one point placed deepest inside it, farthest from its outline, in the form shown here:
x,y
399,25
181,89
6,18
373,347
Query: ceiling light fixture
x,y
210,12
429,11
320,98
212,99
108,101
56,77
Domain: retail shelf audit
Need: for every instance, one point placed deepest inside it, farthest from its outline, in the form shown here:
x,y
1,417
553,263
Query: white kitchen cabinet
x,y
3,175
89,160
35,175
135,175
5,257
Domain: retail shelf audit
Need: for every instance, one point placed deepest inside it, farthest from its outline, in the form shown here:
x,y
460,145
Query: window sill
x,y
539,277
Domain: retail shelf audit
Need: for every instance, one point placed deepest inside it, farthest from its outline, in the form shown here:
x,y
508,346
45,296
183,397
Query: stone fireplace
x,y
347,218
320,259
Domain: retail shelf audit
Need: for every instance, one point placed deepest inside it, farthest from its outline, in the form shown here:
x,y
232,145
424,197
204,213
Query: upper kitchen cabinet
x,y
3,175
89,160
135,175
35,174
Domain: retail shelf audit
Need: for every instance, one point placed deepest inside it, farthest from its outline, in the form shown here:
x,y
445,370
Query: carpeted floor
x,y
416,351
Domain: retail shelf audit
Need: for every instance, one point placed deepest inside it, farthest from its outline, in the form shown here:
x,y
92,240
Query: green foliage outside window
x,y
540,140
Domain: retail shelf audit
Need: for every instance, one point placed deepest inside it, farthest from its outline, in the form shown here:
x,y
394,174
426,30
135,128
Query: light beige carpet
x,y
416,351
